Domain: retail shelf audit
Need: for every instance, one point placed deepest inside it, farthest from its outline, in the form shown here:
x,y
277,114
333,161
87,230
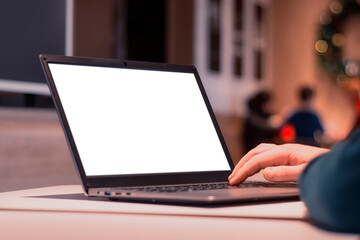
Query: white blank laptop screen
x,y
127,121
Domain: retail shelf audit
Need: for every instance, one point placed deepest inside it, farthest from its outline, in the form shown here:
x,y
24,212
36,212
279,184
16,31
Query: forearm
x,y
330,188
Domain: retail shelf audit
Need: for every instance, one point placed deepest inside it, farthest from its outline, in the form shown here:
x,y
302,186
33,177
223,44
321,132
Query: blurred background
x,y
254,57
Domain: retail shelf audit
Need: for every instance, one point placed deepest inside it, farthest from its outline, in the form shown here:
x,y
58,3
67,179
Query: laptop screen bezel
x,y
131,179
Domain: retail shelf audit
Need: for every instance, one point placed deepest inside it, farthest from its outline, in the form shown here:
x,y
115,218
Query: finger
x,y
257,150
283,173
274,157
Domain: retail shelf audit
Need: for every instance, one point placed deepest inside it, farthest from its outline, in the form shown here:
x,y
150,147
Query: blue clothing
x,y
306,123
330,187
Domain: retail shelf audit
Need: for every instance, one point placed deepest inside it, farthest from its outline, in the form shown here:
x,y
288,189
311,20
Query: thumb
x,y
283,173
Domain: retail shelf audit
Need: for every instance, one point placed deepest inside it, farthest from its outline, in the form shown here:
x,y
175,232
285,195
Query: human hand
x,y
281,163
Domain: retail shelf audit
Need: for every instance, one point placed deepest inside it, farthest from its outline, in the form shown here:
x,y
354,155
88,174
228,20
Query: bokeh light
x,y
321,46
327,32
352,68
338,39
341,80
325,18
336,7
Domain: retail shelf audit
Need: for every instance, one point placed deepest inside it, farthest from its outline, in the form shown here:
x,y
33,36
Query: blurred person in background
x,y
258,127
304,125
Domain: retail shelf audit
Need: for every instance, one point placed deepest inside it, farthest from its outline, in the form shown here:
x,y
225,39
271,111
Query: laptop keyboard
x,y
205,186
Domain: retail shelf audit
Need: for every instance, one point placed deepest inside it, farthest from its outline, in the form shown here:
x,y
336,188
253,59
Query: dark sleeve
x,y
330,187
318,124
290,120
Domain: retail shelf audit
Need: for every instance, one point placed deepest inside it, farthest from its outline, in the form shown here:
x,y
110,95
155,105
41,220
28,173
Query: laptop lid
x,y
131,123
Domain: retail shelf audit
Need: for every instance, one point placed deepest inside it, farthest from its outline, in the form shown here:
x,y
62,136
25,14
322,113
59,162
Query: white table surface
x,y
61,212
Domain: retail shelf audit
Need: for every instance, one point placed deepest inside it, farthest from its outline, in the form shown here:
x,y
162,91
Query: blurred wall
x,y
294,63
94,28
179,31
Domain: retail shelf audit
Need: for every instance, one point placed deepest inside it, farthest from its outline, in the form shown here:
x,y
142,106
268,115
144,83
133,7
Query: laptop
x,y
143,131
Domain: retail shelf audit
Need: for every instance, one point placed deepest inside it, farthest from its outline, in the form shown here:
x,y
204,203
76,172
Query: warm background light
x,y
321,46
336,7
338,39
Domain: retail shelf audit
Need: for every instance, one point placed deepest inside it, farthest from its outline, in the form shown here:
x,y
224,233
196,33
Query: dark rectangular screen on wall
x,y
28,28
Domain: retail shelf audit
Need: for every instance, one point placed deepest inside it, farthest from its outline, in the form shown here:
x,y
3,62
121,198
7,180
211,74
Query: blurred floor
x,y
34,152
